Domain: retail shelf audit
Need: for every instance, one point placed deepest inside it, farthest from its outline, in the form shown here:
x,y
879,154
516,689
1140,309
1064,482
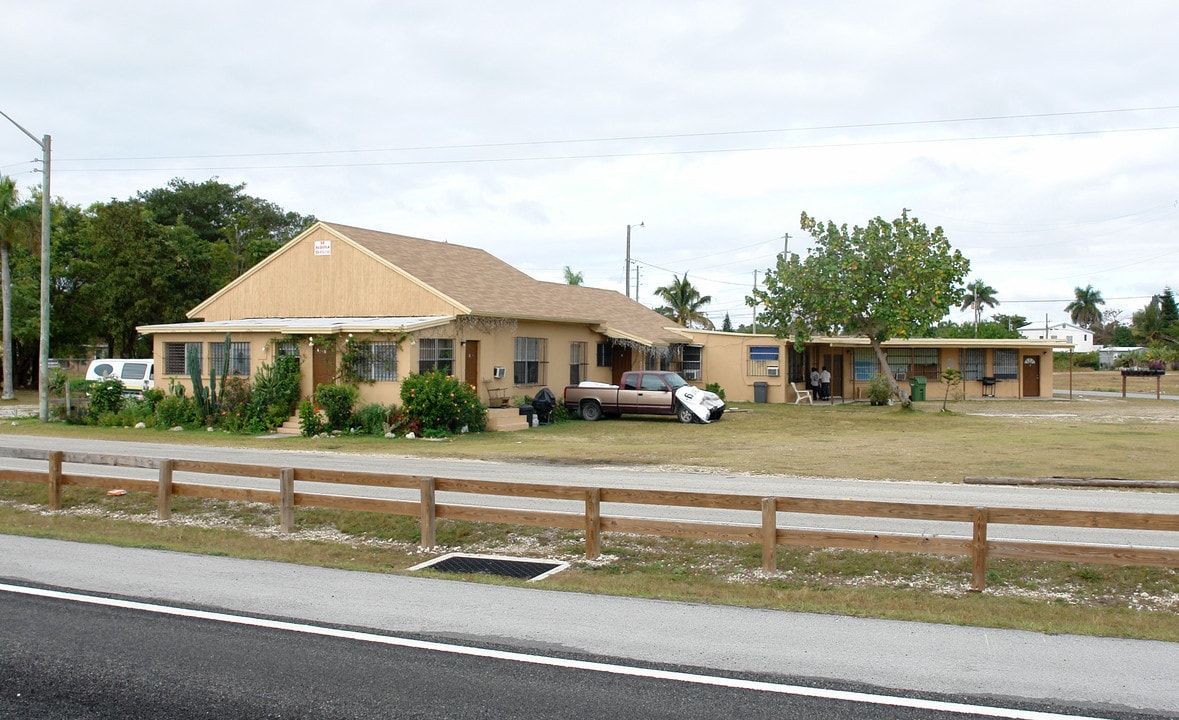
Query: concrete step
x,y
505,419
290,427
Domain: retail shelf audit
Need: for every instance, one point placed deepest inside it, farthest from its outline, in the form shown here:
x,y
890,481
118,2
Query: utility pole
x,y
626,272
636,283
786,246
43,373
755,305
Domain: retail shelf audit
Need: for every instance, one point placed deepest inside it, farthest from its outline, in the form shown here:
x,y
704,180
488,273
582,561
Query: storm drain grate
x,y
513,567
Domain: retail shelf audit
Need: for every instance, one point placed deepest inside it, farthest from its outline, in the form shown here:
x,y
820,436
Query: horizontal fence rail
x,y
766,531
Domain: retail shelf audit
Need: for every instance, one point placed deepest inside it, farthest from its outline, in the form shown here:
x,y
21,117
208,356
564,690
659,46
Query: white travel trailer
x,y
137,375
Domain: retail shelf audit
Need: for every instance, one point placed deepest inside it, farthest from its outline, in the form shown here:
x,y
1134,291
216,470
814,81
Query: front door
x,y
323,365
471,363
1031,376
620,362
834,363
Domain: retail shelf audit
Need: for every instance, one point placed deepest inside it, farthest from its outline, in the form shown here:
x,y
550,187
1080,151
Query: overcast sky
x,y
1042,136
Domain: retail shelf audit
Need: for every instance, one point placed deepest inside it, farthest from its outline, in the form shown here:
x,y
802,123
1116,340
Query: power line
x,y
628,138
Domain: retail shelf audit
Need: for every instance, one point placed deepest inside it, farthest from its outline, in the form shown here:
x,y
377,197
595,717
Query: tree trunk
x,y
886,371
6,293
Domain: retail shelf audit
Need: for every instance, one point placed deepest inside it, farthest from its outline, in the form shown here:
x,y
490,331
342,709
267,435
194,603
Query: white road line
x,y
822,693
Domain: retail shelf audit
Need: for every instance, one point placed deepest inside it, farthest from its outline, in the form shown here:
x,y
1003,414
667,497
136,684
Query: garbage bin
x,y
917,382
760,392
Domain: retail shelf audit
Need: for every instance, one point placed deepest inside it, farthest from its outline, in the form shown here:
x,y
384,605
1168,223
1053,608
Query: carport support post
x,y
55,457
286,499
593,523
429,513
164,501
769,534
978,547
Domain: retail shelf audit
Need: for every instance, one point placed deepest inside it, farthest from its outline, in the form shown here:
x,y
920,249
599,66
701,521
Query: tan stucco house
x,y
396,305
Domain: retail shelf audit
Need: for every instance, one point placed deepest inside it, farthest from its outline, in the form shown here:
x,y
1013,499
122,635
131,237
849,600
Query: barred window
x,y
376,361
436,354
762,358
239,358
577,362
286,348
907,362
530,361
1006,365
176,358
973,363
693,363
865,365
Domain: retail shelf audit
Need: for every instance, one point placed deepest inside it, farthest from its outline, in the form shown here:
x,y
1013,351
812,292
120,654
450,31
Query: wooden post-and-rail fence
x,y
768,533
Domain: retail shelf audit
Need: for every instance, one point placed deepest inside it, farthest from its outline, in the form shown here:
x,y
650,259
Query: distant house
x,y
1108,356
1080,338
392,305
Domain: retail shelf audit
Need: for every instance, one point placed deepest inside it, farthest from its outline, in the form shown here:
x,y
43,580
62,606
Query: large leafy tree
x,y
1152,324
1085,309
683,303
18,225
880,281
978,294
241,229
135,271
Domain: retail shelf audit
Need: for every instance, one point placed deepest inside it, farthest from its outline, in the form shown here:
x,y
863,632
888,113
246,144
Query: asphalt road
x,y
662,479
266,642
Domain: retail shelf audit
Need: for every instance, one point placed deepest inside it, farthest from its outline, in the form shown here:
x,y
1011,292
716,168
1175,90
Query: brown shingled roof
x,y
491,287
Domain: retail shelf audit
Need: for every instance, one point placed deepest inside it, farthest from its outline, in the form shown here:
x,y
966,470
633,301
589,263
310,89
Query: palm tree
x,y
16,223
978,293
573,278
683,303
1084,310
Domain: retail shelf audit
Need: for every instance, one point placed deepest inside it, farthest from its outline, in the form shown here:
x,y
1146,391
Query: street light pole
x,y
626,273
43,367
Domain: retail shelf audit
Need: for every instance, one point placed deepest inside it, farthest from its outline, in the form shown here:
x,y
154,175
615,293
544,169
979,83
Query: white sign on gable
x,y
323,247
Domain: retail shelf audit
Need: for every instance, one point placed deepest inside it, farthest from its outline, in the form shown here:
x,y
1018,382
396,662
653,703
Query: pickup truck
x,y
644,392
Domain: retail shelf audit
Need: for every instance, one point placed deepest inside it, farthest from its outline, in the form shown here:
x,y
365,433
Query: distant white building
x,y
1109,355
1081,338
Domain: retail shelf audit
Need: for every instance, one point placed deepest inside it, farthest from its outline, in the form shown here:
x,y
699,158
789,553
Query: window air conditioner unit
x,y
499,372
691,374
772,370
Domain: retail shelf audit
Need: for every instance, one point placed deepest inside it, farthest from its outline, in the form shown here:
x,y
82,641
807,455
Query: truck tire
x,y
684,414
590,410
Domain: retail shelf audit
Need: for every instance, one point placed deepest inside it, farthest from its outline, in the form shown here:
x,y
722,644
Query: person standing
x,y
815,383
825,384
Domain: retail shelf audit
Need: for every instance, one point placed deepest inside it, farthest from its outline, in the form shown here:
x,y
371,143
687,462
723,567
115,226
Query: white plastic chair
x,y
800,395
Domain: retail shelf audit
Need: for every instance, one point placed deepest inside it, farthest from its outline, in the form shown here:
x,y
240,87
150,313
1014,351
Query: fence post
x,y
978,546
429,516
769,534
164,502
593,523
55,457
286,499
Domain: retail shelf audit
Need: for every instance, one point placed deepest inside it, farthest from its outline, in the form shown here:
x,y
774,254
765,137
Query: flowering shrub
x,y
337,401
235,409
441,403
310,421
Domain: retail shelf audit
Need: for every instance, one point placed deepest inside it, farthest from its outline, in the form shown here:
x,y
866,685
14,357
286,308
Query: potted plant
x,y
879,391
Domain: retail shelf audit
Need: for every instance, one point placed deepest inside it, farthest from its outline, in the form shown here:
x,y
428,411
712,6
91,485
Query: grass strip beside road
x,y
1092,437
